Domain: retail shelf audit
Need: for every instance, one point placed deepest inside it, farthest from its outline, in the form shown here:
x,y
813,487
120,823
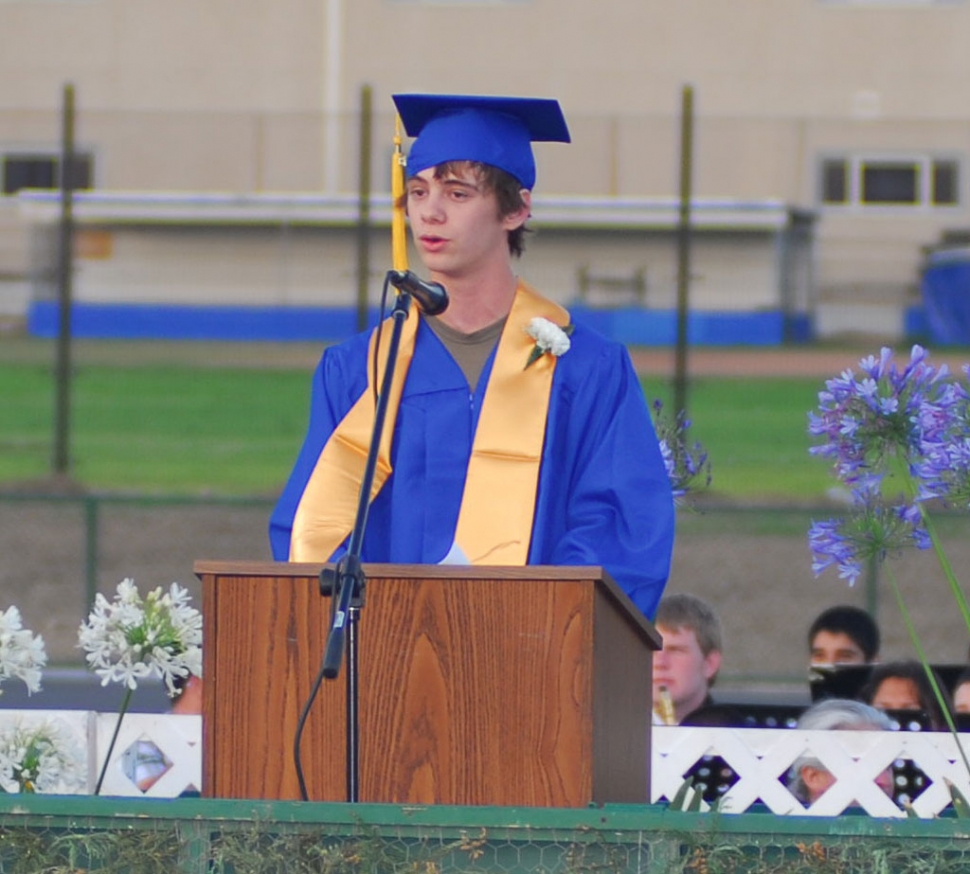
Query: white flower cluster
x,y
549,336
40,757
129,638
22,653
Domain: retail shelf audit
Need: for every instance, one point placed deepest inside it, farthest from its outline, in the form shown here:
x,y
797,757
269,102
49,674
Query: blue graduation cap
x,y
493,130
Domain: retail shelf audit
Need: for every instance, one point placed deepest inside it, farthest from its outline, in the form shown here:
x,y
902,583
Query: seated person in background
x,y
189,699
961,693
808,777
903,685
143,762
687,666
843,635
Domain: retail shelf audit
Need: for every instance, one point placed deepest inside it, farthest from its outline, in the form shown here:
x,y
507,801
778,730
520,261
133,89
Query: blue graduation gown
x,y
603,498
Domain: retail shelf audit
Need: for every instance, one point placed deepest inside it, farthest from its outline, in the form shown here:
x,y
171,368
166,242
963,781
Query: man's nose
x,y
431,209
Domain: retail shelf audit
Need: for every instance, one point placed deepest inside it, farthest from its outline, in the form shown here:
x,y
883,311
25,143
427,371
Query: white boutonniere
x,y
549,338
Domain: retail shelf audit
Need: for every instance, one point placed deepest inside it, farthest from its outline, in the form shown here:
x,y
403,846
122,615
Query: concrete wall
x,y
252,95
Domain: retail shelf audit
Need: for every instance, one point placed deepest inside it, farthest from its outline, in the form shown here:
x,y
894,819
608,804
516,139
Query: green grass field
x,y
151,424
755,431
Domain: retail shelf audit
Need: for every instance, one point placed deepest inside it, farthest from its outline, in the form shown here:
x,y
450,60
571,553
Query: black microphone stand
x,y
345,582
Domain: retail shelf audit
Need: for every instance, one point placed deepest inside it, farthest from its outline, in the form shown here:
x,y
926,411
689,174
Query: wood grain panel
x,y
264,655
519,687
489,678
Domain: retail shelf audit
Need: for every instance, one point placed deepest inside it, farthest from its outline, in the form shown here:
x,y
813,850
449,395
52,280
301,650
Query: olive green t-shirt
x,y
470,351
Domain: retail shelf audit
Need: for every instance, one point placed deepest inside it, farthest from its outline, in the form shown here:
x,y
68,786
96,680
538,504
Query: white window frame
x,y
459,2
892,2
923,161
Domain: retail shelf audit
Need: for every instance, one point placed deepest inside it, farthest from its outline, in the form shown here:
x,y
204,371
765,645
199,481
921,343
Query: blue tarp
x,y
946,296
632,325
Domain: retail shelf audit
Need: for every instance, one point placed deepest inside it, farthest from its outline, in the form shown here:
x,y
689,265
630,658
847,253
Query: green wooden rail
x,y
193,835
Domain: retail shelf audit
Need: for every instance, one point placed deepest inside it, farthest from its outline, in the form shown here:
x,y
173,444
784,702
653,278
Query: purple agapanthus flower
x,y
885,429
687,464
871,533
895,438
871,423
943,471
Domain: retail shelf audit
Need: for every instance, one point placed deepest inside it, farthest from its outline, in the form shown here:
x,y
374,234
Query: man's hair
x,y
851,621
689,611
964,677
180,682
832,714
915,673
507,189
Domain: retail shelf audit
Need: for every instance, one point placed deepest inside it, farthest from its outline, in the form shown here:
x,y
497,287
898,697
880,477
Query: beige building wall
x,y
244,265
281,251
262,95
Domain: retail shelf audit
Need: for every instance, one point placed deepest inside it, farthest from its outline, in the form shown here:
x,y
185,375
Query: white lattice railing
x,y
160,756
761,758
161,752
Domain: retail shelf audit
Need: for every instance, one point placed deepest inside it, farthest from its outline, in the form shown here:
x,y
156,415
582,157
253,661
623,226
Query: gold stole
x,y
498,504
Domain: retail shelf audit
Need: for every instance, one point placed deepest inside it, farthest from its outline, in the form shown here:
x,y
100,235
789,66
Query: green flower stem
x,y
918,646
945,565
913,491
114,737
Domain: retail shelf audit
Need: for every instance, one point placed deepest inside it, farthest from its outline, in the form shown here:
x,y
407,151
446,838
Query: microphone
x,y
431,296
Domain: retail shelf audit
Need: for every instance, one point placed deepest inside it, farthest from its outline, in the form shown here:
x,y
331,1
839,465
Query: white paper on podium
x,y
455,556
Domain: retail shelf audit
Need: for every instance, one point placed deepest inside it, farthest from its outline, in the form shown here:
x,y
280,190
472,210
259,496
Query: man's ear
x,y
520,216
712,664
816,780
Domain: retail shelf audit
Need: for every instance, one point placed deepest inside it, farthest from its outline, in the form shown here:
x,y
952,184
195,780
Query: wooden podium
x,y
478,686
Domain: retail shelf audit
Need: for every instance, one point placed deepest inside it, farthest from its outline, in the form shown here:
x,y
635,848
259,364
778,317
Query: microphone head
x,y
431,296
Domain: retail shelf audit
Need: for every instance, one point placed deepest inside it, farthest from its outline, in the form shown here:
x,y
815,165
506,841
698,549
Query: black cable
x,y
377,340
314,691
299,732
340,573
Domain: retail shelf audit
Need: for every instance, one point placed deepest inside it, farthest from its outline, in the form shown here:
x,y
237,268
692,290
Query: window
x,y
889,182
891,2
945,182
461,2
864,180
835,187
37,170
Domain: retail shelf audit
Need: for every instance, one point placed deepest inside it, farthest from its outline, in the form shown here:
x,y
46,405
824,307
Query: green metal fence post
x,y
91,504
195,847
65,258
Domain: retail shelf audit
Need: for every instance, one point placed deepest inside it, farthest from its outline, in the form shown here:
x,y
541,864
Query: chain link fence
x,y
752,563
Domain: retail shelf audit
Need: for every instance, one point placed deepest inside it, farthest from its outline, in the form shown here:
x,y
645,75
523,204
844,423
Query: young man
x,y
686,668
843,635
518,438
